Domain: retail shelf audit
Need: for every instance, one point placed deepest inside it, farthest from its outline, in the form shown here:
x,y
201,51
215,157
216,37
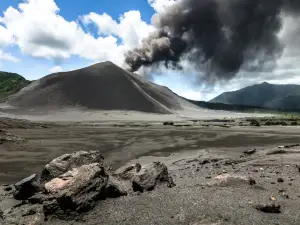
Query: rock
x,y
255,123
232,180
268,208
252,181
204,161
26,188
150,176
166,123
280,180
116,188
38,198
285,195
76,191
250,151
67,162
292,146
128,173
6,191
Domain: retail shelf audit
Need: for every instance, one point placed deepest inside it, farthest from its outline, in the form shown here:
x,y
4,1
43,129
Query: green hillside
x,y
11,83
264,95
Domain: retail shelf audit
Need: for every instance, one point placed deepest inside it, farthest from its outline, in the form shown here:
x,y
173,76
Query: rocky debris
x,y
235,161
204,161
276,152
232,180
255,123
207,161
291,146
24,214
26,187
6,191
76,191
275,123
280,180
129,172
268,208
150,176
8,204
7,137
67,162
167,123
285,195
250,151
252,181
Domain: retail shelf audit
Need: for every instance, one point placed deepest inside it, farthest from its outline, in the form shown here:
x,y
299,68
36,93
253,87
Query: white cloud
x,y
7,57
56,69
40,31
131,29
161,5
6,38
105,23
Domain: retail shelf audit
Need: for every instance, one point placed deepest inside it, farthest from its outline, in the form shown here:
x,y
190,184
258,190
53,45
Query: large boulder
x,y
76,191
26,187
150,176
67,162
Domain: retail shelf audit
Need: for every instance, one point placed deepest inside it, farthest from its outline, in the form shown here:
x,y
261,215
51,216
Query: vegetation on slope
x,y
245,108
265,95
11,83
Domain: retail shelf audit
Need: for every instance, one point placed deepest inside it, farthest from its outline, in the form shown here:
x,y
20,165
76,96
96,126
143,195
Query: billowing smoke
x,y
218,36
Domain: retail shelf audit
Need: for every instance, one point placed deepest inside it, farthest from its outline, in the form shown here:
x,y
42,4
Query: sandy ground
x,y
121,144
195,153
81,114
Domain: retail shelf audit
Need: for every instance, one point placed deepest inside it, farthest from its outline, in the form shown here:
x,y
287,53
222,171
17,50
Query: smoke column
x,y
218,36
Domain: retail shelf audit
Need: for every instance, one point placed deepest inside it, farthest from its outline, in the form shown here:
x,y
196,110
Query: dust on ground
x,y
195,151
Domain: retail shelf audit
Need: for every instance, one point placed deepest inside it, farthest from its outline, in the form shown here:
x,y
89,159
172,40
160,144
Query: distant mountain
x,y
263,95
10,83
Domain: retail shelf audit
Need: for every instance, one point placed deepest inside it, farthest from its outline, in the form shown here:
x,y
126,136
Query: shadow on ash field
x,y
122,142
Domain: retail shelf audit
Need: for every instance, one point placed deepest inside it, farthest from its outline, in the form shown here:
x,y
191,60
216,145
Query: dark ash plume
x,y
218,36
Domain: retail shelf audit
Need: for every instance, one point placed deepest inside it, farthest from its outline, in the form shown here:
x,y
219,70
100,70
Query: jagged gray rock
x,y
26,187
116,187
150,176
76,191
128,173
67,162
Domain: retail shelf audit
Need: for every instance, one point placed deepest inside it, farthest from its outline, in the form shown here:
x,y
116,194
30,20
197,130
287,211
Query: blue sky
x,y
39,37
33,68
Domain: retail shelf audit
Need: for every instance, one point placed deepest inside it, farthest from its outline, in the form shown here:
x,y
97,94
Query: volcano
x,y
103,86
